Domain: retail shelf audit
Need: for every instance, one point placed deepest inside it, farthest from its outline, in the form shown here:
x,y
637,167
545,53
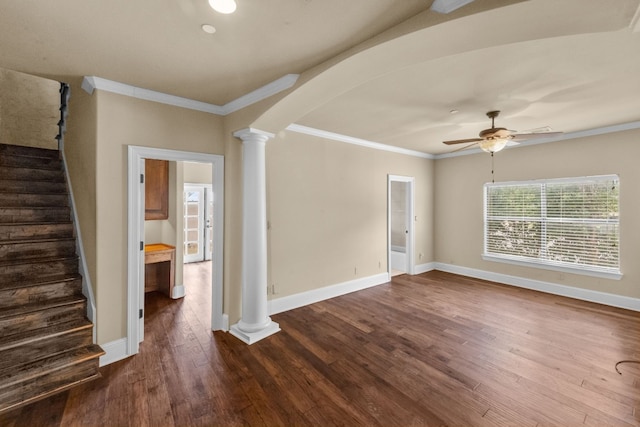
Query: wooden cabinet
x,y
160,261
156,189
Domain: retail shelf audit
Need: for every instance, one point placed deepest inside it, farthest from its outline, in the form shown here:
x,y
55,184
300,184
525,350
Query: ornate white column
x,y
255,322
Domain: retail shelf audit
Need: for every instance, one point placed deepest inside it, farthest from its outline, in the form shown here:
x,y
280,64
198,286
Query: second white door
x,y
198,223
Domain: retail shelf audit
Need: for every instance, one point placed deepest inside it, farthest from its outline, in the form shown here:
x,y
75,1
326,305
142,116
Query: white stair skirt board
x,y
253,337
114,352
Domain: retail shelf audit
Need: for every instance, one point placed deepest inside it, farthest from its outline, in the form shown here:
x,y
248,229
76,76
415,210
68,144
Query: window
x,y
567,224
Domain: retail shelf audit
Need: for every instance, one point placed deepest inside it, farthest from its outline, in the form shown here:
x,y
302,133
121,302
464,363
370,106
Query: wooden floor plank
x,y
432,349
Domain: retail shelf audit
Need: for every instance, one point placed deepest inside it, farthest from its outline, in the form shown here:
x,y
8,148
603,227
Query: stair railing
x,y
65,92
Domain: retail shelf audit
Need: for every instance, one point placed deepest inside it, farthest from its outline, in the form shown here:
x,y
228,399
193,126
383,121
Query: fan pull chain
x,y
492,177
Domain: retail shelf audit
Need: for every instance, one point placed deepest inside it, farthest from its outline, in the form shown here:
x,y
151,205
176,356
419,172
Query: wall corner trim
x,y
356,141
90,83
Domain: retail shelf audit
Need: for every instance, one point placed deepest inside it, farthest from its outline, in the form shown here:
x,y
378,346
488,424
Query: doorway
x,y
400,225
135,239
198,222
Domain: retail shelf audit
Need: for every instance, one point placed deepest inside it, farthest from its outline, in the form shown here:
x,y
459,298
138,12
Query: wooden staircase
x,y
46,340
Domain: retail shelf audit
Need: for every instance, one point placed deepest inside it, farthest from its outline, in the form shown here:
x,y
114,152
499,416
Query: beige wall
x,y
459,202
29,110
327,211
124,121
196,173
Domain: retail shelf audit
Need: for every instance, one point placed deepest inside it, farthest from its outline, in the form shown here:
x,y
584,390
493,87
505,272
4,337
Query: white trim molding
x,y
114,351
91,83
605,298
356,141
424,268
87,287
135,235
279,305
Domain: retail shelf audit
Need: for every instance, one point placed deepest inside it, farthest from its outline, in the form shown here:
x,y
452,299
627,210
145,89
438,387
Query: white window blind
x,y
569,223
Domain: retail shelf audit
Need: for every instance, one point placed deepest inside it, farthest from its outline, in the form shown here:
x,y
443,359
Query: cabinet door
x,y
156,189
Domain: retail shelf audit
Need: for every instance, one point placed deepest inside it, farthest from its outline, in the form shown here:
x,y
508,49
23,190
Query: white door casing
x,y
410,222
135,235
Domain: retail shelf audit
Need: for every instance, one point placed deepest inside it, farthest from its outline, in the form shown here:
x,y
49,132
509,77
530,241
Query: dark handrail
x,y
65,92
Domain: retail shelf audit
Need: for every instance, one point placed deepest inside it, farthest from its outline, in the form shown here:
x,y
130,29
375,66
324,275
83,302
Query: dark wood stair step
x,y
45,230
19,349
35,249
14,273
29,293
30,162
32,316
29,200
26,151
36,336
31,175
20,215
32,187
48,376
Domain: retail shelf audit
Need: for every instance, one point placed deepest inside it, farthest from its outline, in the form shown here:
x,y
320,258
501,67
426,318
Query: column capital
x,y
251,134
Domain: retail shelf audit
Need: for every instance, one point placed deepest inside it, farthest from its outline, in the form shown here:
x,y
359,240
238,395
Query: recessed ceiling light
x,y
453,111
223,6
209,29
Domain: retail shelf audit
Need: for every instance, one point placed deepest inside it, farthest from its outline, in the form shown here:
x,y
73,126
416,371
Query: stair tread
x,y
29,151
41,306
11,341
38,261
47,281
11,377
36,240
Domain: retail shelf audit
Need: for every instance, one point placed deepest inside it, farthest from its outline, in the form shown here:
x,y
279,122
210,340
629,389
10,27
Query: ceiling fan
x,y
495,139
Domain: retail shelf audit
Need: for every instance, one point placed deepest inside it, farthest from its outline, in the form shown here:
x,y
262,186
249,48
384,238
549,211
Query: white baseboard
x,y
225,322
178,292
423,268
605,298
278,305
115,351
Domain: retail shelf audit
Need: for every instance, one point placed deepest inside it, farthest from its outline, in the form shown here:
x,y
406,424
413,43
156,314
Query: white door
x,y
208,231
198,223
400,224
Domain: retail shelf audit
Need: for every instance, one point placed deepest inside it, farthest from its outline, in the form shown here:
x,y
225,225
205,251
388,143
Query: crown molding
x,y
448,6
356,141
91,83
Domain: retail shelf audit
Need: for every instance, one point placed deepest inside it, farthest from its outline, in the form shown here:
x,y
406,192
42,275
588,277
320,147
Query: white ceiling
x,y
570,65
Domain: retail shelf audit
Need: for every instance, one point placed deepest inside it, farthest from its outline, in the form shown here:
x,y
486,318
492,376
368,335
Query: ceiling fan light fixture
x,y
223,6
493,145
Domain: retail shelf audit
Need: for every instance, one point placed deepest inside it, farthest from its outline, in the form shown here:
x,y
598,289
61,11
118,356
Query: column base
x,y
252,337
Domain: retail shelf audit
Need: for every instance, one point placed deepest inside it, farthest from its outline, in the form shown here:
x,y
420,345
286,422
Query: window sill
x,y
573,270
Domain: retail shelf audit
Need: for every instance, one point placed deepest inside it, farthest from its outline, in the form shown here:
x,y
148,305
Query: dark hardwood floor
x,y
433,349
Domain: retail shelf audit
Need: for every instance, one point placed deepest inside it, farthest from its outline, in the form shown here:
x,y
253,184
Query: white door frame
x,y
202,243
135,235
411,263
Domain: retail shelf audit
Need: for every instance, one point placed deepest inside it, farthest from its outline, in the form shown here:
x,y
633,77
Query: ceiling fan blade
x,y
462,141
465,147
528,136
